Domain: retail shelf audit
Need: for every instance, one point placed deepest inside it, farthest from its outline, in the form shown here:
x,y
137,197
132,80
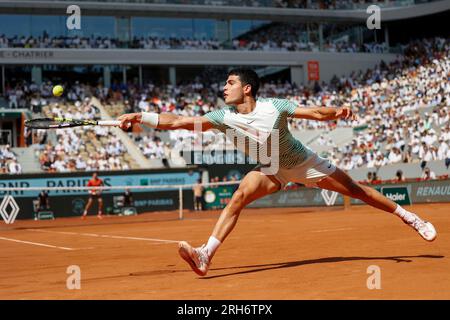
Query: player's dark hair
x,y
247,76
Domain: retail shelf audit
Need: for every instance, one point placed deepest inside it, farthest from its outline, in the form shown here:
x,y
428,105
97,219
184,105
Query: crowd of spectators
x,y
402,147
291,37
389,105
303,4
77,42
8,160
80,149
269,37
24,94
389,99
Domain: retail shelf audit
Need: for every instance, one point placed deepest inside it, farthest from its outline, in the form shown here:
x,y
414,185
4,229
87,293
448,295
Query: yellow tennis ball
x,y
58,90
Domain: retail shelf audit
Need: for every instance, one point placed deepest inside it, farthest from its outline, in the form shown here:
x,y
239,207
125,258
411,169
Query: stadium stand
x,y
8,161
298,4
270,37
82,149
403,108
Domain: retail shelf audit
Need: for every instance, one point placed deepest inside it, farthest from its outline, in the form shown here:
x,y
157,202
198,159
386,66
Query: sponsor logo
x,y
433,191
399,195
395,196
210,196
9,218
329,199
78,206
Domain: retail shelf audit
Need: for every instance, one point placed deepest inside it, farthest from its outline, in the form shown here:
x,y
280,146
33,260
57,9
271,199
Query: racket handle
x,y
109,123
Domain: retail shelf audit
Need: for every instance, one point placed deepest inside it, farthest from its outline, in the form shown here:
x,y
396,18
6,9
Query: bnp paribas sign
x,y
399,195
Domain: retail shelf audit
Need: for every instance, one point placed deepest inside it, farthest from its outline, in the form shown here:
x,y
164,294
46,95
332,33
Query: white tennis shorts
x,y
309,172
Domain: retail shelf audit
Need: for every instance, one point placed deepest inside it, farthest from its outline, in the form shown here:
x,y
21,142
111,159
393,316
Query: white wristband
x,y
150,118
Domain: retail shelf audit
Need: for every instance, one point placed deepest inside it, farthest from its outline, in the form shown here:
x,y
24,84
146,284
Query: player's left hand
x,y
345,113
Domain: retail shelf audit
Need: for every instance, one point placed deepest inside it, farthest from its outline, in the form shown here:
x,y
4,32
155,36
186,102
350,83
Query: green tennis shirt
x,y
263,134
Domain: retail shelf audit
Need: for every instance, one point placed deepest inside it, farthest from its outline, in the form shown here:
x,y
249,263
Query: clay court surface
x,y
295,253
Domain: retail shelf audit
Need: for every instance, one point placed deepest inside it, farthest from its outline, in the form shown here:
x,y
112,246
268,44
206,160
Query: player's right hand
x,y
346,113
127,120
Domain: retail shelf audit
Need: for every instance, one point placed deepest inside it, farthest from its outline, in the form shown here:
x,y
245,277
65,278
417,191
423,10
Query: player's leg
x,y
88,206
100,207
254,185
199,203
340,182
196,207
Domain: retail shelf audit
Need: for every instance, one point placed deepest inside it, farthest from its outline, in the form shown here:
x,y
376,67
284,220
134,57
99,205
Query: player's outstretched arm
x,y
164,121
324,114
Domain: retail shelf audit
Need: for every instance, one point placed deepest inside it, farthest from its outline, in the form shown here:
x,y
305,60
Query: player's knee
x,y
239,197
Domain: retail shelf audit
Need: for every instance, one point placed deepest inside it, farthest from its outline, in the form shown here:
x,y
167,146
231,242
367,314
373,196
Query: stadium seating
x,y
268,37
8,161
80,148
400,106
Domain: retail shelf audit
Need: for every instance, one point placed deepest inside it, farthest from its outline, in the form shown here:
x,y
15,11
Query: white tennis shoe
x,y
197,258
424,228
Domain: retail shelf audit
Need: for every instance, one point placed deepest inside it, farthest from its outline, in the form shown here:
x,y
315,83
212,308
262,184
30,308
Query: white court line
x,y
37,244
105,236
328,230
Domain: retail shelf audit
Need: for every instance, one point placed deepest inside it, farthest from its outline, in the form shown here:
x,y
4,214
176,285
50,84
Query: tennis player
x,y
245,115
94,194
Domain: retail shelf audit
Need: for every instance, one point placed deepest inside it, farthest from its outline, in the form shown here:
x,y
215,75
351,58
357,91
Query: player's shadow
x,y
291,264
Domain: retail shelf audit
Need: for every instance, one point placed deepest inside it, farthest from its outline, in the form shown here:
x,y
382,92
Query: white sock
x,y
403,213
212,245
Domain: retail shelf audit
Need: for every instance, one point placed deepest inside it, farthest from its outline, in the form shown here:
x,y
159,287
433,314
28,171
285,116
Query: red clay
x,y
296,253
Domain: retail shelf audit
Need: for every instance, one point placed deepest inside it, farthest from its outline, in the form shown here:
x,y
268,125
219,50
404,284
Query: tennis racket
x,y
55,123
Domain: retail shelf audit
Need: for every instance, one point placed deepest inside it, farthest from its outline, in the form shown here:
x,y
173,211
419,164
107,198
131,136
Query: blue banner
x,y
145,179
